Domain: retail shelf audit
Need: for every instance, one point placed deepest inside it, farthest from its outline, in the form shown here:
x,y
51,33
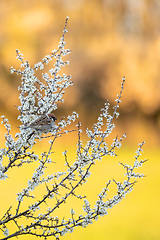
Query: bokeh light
x,y
108,39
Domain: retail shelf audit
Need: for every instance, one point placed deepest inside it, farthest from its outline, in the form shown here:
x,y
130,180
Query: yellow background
x,y
108,39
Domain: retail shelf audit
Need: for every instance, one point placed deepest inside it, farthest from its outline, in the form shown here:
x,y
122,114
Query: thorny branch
x,y
38,97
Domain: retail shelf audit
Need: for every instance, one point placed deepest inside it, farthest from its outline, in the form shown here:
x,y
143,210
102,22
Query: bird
x,y
43,124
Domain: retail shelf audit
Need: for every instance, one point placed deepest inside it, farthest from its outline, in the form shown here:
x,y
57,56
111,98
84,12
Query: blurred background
x,y
108,39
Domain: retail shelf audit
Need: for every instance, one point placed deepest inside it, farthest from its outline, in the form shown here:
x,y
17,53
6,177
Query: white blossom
x,y
6,232
48,189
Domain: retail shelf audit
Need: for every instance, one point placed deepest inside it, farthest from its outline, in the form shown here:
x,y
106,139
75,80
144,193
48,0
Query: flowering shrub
x,y
37,216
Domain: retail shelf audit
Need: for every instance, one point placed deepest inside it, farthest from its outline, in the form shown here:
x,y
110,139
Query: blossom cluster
x,y
34,215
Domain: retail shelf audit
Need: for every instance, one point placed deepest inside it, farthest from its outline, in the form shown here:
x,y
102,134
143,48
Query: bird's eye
x,y
54,118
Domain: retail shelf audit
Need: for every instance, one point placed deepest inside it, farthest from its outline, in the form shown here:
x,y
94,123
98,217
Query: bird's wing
x,y
40,121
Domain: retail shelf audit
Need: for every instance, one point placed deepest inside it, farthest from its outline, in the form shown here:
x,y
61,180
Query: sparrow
x,y
43,124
